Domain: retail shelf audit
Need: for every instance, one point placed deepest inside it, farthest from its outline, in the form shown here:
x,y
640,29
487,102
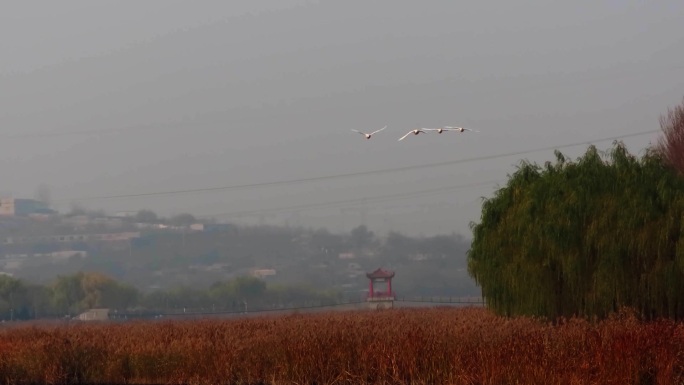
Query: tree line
x,y
71,294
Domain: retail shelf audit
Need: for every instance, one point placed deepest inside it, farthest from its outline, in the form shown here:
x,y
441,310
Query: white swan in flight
x,y
368,136
415,132
449,128
442,129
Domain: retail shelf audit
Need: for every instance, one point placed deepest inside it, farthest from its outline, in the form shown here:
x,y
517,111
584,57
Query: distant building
x,y
65,254
125,214
112,222
212,227
76,220
84,220
23,207
260,273
94,315
197,226
55,255
106,237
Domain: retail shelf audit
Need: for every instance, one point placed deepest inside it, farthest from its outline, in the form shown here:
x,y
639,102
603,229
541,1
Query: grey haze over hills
x,y
122,98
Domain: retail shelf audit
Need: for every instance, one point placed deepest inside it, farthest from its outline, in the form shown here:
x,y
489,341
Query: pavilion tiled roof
x,y
380,273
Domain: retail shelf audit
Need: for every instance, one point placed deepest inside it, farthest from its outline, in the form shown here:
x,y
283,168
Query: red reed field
x,y
399,346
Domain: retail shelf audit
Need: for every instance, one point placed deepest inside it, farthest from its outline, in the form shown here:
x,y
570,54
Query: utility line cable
x,y
356,174
334,204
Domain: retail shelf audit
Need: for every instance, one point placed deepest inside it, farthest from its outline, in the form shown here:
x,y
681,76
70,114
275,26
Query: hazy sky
x,y
108,98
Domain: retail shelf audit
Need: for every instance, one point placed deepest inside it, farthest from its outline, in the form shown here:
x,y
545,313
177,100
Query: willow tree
x,y
584,237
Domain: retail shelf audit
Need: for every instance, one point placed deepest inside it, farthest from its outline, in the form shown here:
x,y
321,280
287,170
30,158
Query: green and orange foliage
x,y
398,346
71,294
85,290
584,238
67,294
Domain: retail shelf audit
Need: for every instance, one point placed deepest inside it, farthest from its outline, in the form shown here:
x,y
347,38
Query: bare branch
x,y
671,145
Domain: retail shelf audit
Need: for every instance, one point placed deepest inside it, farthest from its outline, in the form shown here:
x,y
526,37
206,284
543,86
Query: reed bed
x,y
397,346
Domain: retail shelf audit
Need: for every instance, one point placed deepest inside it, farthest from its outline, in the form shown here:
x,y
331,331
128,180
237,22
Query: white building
x,y
261,273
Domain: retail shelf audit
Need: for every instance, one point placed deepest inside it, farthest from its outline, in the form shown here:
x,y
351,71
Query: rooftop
x,y
380,273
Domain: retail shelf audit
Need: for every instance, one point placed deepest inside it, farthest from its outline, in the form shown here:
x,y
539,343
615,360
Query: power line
x,y
356,174
377,198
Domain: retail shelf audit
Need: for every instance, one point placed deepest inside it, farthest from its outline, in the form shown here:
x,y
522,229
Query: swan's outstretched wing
x,y
433,129
407,134
358,132
376,131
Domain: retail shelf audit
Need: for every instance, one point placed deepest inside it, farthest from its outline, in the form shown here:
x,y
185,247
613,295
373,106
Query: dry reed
x,y
398,346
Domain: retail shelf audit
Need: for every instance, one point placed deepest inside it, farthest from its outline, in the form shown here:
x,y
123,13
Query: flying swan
x,y
368,136
449,128
415,132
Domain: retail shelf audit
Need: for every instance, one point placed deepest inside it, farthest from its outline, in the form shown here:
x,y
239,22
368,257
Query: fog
x,y
243,110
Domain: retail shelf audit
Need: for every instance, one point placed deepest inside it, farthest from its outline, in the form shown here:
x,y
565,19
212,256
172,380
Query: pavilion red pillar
x,y
389,287
370,288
